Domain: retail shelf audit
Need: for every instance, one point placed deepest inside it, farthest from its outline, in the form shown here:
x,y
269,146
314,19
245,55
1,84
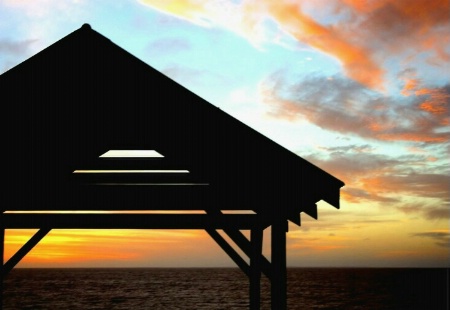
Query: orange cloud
x,y
437,100
370,32
410,86
365,6
356,60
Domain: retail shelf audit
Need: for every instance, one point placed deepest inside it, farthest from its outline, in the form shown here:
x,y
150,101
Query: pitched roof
x,y
84,95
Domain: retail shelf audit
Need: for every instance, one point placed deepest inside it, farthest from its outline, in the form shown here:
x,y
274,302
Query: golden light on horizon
x,y
72,247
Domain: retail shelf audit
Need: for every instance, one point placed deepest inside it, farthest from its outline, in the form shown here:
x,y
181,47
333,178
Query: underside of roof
x,y
84,96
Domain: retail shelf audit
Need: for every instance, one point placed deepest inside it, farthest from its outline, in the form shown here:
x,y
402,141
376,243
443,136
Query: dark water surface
x,y
223,288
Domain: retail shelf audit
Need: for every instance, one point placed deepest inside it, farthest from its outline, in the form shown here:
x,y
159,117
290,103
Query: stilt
x,y
2,254
256,236
279,278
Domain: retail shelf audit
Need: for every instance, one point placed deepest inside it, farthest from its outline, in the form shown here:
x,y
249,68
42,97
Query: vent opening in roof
x,y
131,171
131,154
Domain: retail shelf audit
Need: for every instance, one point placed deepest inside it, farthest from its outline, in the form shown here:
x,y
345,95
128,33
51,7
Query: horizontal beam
x,y
129,221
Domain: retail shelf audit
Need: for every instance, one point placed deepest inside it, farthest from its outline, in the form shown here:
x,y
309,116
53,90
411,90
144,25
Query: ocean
x,y
223,288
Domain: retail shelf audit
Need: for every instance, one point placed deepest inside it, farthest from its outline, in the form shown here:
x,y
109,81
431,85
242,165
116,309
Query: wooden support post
x,y
2,245
256,237
2,253
279,276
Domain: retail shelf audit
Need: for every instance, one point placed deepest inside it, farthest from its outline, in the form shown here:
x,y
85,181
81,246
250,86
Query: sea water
x,y
223,288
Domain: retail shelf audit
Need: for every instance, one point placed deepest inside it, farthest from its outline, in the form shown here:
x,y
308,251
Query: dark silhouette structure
x,y
88,126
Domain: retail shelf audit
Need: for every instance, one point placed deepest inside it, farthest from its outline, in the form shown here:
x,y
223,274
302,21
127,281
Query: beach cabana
x,y
89,127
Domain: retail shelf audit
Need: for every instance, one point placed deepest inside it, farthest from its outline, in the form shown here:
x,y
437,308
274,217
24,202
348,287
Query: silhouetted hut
x,y
88,126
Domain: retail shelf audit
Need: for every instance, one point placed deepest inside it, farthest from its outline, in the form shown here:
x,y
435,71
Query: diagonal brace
x,y
27,247
242,264
245,245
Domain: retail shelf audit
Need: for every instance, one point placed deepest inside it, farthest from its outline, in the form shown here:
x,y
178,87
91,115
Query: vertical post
x,y
2,251
256,237
279,276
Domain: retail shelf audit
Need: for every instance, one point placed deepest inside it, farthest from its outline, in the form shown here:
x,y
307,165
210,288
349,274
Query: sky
x,y
360,88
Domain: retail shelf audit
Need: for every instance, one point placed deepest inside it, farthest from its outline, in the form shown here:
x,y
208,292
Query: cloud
x,y
14,51
399,29
353,148
262,21
389,181
189,77
441,212
167,45
418,184
43,19
441,238
357,60
203,13
342,105
435,101
430,211
9,47
42,8
399,25
352,169
360,34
